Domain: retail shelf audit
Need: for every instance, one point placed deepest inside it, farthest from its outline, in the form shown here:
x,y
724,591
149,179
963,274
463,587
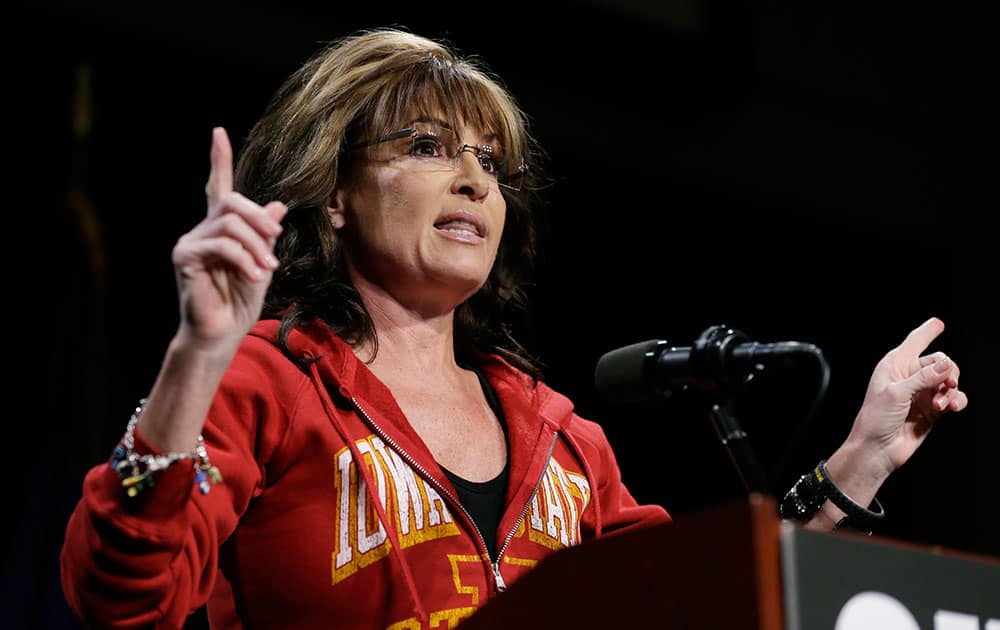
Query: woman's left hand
x,y
907,393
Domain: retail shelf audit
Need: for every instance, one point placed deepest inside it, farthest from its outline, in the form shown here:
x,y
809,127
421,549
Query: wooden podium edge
x,y
766,533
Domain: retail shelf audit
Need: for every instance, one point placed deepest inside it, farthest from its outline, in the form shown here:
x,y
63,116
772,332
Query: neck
x,y
412,342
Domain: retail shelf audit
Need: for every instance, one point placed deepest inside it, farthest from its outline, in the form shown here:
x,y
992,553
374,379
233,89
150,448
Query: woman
x,y
391,457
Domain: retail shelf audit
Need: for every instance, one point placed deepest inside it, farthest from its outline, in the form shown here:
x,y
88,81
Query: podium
x,y
738,567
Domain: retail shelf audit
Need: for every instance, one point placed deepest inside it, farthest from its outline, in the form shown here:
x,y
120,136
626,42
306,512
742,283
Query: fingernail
x,y
942,365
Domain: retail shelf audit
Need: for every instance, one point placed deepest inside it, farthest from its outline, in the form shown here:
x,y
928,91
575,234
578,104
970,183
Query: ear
x,y
336,208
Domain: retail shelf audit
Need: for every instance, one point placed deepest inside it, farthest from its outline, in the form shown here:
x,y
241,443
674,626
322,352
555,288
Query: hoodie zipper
x,y
499,583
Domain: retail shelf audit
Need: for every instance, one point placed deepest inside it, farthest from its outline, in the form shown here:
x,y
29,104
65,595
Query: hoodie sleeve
x,y
151,561
613,509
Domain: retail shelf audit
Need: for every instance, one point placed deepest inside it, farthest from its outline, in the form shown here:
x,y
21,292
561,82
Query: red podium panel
x,y
716,569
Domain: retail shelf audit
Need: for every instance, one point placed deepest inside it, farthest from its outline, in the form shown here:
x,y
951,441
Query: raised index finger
x,y
921,337
220,178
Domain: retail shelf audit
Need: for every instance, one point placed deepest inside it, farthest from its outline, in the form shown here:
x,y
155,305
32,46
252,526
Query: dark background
x,y
821,173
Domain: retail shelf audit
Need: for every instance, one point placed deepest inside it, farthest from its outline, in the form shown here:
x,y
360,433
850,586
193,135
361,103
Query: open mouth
x,y
462,224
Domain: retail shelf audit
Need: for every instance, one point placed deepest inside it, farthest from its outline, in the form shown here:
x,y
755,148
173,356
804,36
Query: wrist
x,y
187,342
855,515
182,394
859,466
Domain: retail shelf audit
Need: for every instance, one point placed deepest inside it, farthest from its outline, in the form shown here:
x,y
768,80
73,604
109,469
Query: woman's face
x,y
421,219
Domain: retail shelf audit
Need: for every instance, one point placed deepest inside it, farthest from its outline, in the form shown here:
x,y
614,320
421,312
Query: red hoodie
x,y
300,536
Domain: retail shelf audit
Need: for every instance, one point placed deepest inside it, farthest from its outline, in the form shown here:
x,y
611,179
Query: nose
x,y
470,178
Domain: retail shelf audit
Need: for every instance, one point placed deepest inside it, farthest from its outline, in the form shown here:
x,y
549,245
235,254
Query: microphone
x,y
720,358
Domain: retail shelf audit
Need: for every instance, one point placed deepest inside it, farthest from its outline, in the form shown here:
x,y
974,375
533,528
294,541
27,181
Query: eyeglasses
x,y
434,146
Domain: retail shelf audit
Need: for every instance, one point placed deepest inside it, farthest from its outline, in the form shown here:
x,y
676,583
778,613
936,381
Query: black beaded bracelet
x,y
803,500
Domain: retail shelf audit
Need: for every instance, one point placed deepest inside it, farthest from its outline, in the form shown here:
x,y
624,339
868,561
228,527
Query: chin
x,y
462,283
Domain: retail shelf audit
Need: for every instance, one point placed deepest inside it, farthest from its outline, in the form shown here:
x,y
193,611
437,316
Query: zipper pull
x,y
501,585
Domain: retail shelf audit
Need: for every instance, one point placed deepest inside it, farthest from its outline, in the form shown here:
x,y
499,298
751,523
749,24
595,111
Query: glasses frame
x,y
477,150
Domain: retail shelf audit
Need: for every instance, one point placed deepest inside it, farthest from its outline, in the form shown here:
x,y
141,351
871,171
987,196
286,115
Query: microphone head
x,y
621,375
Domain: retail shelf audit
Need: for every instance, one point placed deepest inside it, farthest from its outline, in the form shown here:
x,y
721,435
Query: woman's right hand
x,y
224,265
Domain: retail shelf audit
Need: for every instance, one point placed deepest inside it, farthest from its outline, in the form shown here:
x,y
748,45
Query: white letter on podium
x,y
871,609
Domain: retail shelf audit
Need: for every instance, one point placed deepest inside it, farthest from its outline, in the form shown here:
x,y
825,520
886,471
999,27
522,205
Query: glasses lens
x,y
431,142
512,177
436,144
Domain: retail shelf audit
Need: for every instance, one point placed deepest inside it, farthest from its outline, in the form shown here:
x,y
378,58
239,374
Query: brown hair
x,y
364,86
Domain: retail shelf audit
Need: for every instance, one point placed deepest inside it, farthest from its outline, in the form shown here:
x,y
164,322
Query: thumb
x,y
277,210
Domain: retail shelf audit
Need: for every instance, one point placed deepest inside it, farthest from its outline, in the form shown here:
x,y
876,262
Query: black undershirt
x,y
484,500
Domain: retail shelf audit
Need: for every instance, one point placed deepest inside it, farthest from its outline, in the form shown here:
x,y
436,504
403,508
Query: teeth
x,y
461,227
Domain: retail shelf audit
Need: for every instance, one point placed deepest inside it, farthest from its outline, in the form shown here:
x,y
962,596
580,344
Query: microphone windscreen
x,y
620,375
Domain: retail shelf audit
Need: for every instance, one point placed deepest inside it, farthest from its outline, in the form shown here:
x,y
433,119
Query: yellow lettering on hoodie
x,y
450,616
554,513
416,511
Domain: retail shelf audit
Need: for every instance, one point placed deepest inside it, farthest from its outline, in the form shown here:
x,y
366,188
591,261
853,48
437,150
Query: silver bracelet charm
x,y
137,470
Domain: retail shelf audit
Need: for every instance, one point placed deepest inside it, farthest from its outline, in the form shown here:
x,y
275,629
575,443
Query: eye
x,y
490,163
426,146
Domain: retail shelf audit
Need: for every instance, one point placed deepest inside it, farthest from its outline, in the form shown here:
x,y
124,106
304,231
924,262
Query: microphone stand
x,y
737,443
710,356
